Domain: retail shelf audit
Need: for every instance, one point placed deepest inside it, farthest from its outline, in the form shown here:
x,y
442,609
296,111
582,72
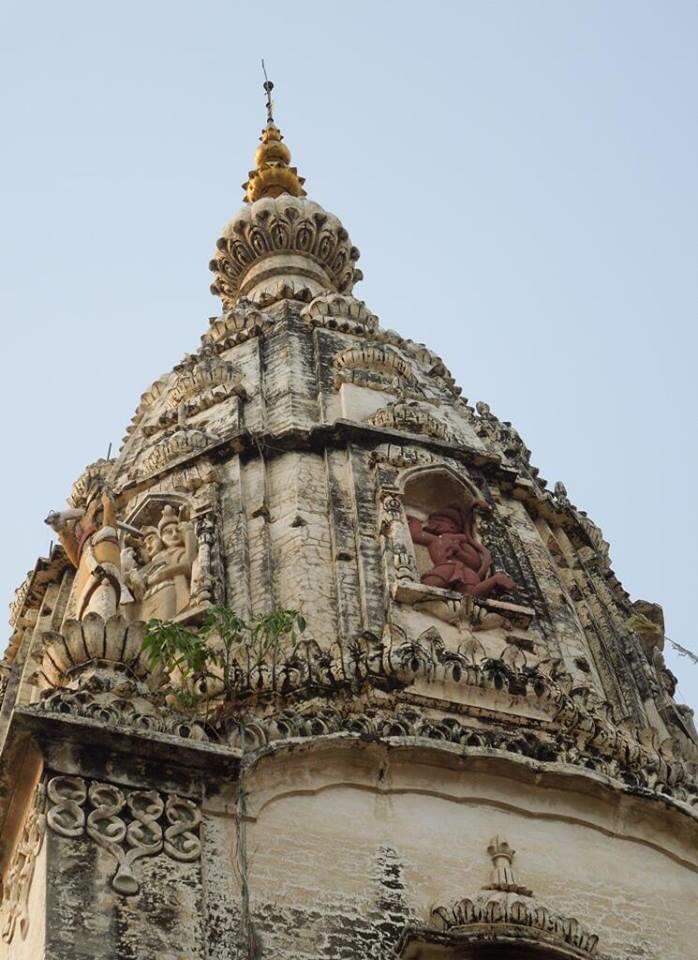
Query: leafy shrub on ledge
x,y
222,654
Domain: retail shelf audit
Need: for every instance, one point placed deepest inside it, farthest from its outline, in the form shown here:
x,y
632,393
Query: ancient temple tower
x,y
471,750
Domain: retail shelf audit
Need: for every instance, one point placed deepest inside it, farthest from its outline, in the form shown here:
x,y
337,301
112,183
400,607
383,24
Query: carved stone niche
x,y
434,559
172,562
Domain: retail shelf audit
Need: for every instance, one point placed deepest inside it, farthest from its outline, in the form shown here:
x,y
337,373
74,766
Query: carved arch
x,y
374,357
149,507
507,943
457,480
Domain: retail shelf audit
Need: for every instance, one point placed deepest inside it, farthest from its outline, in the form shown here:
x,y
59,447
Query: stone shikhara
x,y
471,668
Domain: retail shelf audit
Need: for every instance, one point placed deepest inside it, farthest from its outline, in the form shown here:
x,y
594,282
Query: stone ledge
x,y
62,736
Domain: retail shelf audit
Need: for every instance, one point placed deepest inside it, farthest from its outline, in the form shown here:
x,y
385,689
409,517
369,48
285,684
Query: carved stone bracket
x,y
127,824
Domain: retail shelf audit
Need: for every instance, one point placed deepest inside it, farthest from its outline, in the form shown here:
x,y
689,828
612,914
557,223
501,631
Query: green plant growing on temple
x,y
217,649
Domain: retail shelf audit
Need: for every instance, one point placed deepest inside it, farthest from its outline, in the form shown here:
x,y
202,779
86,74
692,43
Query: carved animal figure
x,y
89,538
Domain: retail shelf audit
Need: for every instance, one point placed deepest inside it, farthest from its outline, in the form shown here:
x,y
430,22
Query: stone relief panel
x,y
171,556
128,824
157,557
439,574
18,880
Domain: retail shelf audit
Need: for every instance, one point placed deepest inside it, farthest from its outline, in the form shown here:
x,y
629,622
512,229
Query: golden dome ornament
x,y
273,175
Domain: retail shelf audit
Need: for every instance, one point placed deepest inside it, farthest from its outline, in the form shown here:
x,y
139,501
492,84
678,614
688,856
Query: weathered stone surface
x,y
339,798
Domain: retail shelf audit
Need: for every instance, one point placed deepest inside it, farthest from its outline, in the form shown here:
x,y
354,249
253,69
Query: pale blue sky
x,y
519,176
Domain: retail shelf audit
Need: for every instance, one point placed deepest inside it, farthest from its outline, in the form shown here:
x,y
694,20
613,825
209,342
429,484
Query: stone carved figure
x,y
90,539
460,562
162,582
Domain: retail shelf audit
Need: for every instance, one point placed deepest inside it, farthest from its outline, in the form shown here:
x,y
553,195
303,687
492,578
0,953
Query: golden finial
x,y
273,174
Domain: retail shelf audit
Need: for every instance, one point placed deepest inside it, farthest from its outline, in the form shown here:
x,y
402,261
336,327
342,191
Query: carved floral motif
x,y
81,641
115,700
282,225
128,824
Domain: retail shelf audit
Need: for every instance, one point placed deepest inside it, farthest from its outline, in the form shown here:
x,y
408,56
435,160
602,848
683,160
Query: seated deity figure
x,y
461,562
163,582
89,538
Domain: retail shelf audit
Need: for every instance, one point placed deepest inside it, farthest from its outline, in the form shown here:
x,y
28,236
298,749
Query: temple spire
x,y
273,173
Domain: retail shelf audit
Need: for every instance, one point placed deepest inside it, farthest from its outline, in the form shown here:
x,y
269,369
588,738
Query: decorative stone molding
x,y
580,730
506,908
238,324
95,473
128,824
341,312
399,456
111,698
18,880
411,417
283,225
175,444
202,380
504,440
18,601
29,597
281,289
377,367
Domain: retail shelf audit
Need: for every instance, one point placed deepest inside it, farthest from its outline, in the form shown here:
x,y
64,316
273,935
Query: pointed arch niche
x,y
408,496
426,490
418,491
